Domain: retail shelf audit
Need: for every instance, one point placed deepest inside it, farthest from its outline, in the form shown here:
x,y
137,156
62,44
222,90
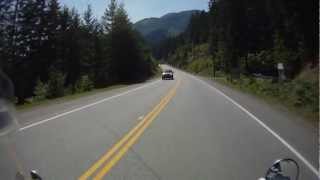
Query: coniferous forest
x,y
49,50
242,43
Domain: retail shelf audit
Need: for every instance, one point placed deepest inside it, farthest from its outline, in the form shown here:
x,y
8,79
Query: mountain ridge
x,y
154,30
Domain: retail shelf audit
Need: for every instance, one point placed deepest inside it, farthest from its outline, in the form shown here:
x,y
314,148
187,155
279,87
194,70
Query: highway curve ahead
x,y
181,129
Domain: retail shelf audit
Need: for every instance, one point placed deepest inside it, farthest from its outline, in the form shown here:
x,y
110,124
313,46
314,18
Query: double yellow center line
x,y
111,157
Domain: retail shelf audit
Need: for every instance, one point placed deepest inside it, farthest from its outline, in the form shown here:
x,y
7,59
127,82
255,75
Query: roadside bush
x,y
56,84
40,91
306,95
68,90
261,62
300,94
200,65
83,84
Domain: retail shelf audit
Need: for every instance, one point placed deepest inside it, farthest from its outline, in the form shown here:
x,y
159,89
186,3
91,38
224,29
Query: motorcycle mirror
x,y
7,121
34,175
282,169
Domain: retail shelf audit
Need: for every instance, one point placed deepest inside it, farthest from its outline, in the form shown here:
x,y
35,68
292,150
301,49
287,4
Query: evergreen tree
x,y
73,64
28,39
7,18
90,22
52,47
87,41
108,18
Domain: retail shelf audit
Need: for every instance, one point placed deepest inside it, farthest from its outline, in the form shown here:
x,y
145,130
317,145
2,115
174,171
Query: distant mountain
x,y
154,30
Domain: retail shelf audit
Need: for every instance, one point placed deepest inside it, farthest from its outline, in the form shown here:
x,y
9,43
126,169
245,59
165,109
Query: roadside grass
x,y
299,96
69,97
157,73
277,96
66,98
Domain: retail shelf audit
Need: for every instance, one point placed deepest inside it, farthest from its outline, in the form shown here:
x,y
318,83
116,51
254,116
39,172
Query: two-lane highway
x,y
181,129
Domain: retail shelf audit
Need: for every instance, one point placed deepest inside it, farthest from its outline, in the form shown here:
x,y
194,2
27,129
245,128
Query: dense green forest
x,y
244,40
48,50
238,32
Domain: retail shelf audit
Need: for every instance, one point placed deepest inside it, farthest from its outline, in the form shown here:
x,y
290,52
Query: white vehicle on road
x,y
167,75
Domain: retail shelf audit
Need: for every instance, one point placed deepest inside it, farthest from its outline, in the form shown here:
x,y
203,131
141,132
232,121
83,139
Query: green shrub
x,y
56,84
307,95
68,90
301,94
200,65
83,84
40,91
260,62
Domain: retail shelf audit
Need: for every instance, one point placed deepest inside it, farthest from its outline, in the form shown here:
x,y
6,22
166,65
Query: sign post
x,y
281,74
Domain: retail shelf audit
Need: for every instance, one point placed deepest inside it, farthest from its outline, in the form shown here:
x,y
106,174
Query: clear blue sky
x,y
139,9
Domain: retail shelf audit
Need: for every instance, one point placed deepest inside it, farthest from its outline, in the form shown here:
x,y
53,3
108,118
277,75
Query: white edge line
x,y
292,149
86,106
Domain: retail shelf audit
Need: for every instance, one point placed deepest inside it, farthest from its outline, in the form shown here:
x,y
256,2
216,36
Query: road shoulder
x,y
289,126
37,113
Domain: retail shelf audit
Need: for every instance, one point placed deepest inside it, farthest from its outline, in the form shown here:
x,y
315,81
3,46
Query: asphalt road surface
x,y
181,129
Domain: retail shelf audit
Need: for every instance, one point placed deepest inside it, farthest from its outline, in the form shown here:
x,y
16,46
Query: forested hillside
x,y
49,51
245,40
155,30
